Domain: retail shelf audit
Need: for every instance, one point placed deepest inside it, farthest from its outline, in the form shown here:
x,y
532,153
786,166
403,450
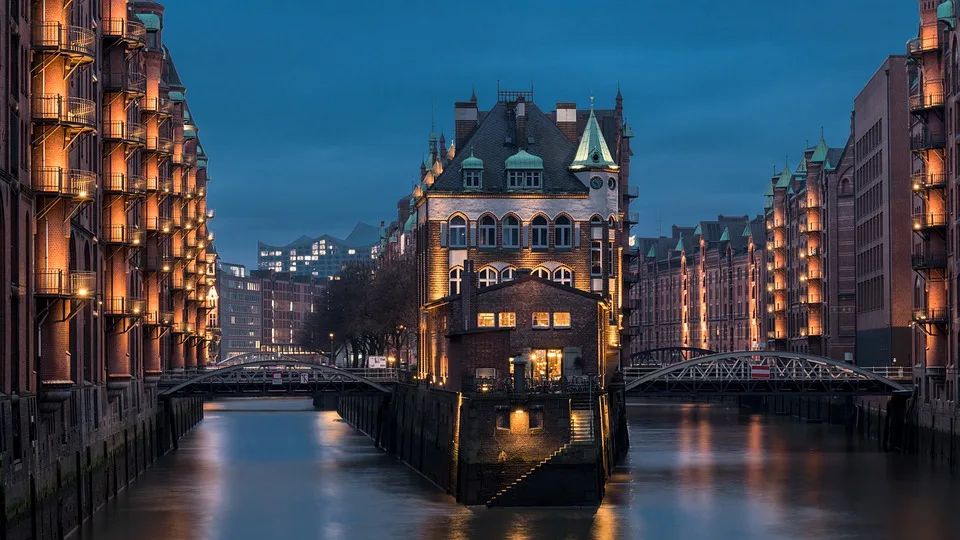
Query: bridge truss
x,y
667,355
762,373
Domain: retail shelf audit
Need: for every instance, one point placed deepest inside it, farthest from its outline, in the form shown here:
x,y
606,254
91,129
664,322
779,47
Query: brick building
x,y
547,192
809,241
703,287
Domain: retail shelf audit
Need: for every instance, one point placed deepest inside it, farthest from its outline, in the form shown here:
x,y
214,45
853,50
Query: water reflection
x,y
277,469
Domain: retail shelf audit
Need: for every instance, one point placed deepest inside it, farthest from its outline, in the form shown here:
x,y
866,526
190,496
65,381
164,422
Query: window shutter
x,y
576,235
443,235
524,235
473,234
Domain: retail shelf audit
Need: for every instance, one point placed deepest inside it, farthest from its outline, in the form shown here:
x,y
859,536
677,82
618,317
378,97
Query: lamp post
x,y
333,360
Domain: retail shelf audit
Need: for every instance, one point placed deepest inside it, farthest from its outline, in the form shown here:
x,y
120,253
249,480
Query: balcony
x,y
127,82
72,112
814,227
929,221
773,334
69,183
158,263
67,284
158,318
814,331
812,252
927,140
922,44
923,102
77,43
183,328
632,192
134,33
160,145
923,181
928,261
811,299
777,245
121,306
126,132
211,213
931,316
136,185
123,235
157,105
814,274
160,225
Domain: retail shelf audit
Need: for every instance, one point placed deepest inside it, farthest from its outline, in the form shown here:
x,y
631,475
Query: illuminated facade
x,y
703,287
810,286
524,190
323,256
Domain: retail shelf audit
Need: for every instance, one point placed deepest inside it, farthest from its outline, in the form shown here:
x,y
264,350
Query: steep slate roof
x,y
488,144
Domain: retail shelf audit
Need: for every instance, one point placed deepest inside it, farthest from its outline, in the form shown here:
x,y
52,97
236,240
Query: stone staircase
x,y
581,421
512,485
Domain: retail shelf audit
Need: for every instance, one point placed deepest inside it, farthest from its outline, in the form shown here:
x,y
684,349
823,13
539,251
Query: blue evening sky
x,y
315,114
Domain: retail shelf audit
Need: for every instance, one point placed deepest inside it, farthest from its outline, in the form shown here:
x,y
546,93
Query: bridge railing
x,y
559,385
901,374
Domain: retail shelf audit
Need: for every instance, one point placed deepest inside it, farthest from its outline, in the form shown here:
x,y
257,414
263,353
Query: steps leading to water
x,y
512,485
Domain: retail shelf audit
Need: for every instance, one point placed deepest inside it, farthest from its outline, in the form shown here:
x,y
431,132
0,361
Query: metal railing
x,y
926,101
926,221
124,306
894,373
125,81
64,109
931,315
160,224
126,29
183,328
129,132
632,192
928,180
64,182
921,261
536,385
929,42
66,283
158,263
926,140
70,40
123,234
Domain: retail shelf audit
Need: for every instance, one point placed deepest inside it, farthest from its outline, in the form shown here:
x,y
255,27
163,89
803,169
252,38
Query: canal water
x,y
277,469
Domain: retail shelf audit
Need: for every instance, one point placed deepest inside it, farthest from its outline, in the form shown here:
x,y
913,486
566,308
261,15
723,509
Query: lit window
x,y
486,320
561,319
511,232
456,276
541,273
471,178
563,276
508,274
508,319
458,232
487,277
540,237
352,252
563,232
541,319
488,232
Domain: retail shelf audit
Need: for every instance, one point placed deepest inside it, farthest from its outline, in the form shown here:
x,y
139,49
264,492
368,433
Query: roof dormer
x,y
472,169
524,171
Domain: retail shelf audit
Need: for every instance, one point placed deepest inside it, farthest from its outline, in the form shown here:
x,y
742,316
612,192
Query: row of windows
x,y
511,231
870,294
539,319
870,259
488,276
870,230
516,179
870,139
868,171
870,199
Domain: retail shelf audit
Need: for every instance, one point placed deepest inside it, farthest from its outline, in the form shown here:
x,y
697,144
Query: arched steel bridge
x,y
761,373
273,377
667,355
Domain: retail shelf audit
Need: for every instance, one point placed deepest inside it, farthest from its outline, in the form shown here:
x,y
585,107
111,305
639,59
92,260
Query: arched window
x,y
456,277
488,232
563,232
563,276
596,228
541,273
458,232
508,274
541,239
511,232
487,277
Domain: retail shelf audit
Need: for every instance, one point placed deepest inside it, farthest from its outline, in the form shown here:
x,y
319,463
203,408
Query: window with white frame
x,y
541,239
508,274
563,276
508,319
458,232
596,258
561,319
486,320
471,178
487,277
531,179
563,233
456,277
511,232
541,319
541,273
515,179
488,232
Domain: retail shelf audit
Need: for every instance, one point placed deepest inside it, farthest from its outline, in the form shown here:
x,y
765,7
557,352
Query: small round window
x,y
612,183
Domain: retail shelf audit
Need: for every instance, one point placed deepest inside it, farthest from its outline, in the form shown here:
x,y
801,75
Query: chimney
x,y
567,120
468,296
521,115
466,116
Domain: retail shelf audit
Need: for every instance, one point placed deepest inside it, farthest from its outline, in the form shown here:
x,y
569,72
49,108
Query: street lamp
x,y
333,361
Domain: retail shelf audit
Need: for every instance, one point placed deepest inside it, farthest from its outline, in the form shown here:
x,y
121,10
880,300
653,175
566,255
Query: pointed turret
x,y
820,152
593,152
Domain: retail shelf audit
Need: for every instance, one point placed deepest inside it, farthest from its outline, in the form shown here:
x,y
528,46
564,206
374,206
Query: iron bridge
x,y
761,373
272,377
667,355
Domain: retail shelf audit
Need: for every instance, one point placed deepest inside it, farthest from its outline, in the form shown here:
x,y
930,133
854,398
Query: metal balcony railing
x,y
814,274
73,283
158,263
923,102
931,315
123,234
123,306
814,227
129,30
136,185
814,331
924,43
632,192
74,41
160,144
926,140
926,261
73,112
64,182
183,328
127,132
929,221
125,81
631,218
115,183
928,180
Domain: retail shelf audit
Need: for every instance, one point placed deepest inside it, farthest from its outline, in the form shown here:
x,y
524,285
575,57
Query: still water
x,y
277,469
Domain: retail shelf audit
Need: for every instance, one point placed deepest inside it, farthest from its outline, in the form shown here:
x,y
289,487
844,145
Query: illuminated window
x,y
540,237
541,319
511,232
508,319
458,232
563,232
561,319
488,232
487,277
541,273
563,276
486,320
508,274
471,178
456,276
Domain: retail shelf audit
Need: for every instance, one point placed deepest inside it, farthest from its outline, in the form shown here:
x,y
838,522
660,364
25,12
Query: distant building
x,y
320,257
239,310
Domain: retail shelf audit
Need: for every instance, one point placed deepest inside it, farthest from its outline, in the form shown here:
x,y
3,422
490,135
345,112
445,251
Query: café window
x,y
541,319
